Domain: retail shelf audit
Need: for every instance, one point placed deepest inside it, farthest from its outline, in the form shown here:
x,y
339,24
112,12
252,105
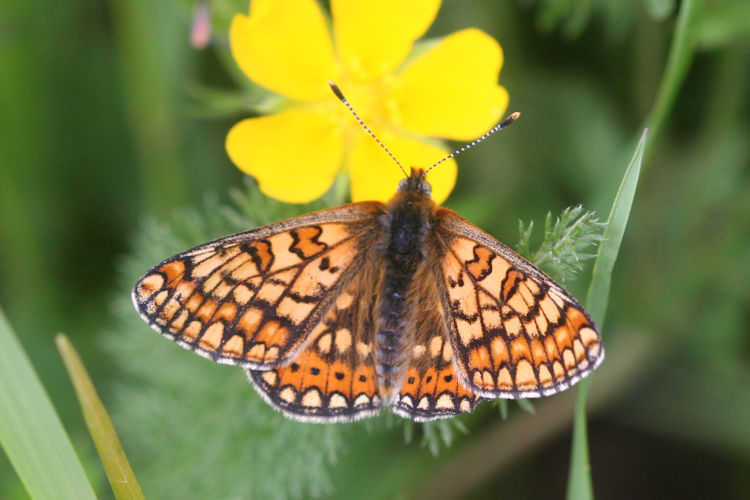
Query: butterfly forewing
x,y
514,331
251,299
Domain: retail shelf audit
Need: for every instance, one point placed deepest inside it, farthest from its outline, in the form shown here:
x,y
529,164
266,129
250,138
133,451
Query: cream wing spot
x,y
272,354
288,394
242,294
545,377
588,336
504,380
525,378
337,401
517,302
468,331
513,326
445,402
324,343
343,340
312,399
436,345
256,352
344,301
363,349
578,350
569,359
211,339
447,352
193,330
407,401
234,347
269,377
297,312
550,309
361,400
161,297
179,321
149,285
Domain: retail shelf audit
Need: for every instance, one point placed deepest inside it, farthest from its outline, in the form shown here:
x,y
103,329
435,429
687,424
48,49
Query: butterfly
x,y
339,313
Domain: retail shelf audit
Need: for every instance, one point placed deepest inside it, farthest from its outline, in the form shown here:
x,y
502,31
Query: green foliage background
x,y
111,158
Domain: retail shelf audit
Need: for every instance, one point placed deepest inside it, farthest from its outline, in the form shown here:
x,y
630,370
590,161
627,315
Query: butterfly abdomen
x,y
406,223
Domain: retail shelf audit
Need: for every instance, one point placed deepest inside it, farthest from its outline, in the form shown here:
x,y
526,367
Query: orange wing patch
x,y
253,298
515,332
333,379
431,388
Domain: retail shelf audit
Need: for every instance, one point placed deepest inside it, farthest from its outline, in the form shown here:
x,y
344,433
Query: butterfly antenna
x,y
343,99
513,117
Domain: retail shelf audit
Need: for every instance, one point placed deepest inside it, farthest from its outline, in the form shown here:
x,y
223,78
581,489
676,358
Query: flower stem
x,y
680,56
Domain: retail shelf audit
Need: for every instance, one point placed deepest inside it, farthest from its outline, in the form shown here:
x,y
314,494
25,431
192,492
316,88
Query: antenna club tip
x,y
515,115
336,90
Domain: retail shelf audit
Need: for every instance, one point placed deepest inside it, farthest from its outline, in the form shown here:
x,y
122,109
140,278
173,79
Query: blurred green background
x,y
112,124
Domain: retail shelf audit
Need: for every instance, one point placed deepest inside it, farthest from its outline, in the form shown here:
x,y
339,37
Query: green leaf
x,y
566,240
601,276
31,432
116,465
579,478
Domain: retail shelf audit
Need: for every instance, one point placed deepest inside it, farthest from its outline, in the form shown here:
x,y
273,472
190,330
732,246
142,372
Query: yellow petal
x,y
294,155
374,176
285,46
451,91
374,38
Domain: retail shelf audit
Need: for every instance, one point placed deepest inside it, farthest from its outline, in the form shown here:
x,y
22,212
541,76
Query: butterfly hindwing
x,y
515,332
251,299
431,388
333,379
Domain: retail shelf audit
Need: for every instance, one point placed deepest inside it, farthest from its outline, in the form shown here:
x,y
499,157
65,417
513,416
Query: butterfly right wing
x,y
515,333
333,379
252,299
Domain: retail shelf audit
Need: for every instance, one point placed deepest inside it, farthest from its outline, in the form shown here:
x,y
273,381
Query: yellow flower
x,y
449,91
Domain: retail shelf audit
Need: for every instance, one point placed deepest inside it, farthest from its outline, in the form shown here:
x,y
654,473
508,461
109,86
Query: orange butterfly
x,y
340,312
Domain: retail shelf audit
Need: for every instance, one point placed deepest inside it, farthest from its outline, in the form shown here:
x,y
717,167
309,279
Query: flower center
x,y
369,98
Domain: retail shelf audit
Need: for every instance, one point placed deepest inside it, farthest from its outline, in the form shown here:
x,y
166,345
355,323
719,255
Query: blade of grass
x,y
579,477
116,465
31,432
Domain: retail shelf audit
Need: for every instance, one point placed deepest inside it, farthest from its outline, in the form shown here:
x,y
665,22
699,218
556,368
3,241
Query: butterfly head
x,y
416,183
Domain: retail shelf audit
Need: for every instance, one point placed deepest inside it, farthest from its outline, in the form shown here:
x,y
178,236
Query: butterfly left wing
x,y
515,333
251,299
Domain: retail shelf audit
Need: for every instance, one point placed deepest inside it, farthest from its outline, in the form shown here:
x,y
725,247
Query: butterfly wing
x,y
252,299
333,379
515,333
431,388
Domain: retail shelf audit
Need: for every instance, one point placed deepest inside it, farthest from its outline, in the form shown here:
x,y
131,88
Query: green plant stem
x,y
116,465
680,56
31,432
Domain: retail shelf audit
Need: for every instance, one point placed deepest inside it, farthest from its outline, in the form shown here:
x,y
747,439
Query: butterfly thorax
x,y
407,222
